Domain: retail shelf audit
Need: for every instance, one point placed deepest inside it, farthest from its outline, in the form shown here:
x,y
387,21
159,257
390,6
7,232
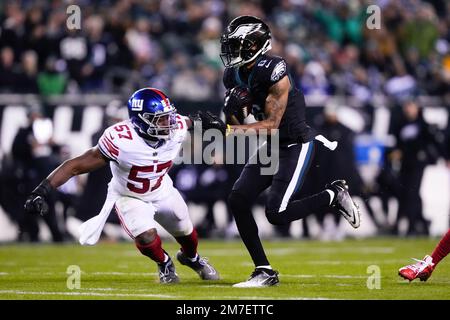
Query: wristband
x,y
228,130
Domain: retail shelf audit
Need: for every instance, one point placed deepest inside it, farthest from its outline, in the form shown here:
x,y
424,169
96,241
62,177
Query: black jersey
x,y
267,71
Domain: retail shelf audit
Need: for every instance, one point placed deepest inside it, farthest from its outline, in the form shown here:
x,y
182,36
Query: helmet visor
x,y
230,51
160,125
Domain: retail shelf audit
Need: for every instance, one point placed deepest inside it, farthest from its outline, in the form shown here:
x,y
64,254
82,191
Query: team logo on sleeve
x,y
278,71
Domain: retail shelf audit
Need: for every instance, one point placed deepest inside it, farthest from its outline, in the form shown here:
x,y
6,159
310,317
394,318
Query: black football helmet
x,y
245,38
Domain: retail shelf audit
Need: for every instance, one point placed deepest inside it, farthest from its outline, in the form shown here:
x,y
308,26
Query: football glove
x,y
236,100
211,121
37,201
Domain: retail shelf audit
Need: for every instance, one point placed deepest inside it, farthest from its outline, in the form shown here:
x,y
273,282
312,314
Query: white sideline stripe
x,y
292,184
96,294
4,273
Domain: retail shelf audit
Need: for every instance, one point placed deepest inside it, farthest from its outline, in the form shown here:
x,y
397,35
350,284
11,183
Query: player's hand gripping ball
x,y
238,103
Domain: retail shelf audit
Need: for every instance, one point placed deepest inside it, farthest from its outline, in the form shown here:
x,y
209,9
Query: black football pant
x,y
285,184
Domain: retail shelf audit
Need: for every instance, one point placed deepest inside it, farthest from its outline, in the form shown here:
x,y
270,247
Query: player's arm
x,y
89,161
275,106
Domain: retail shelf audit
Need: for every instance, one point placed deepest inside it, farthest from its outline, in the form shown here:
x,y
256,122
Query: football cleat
x,y
167,272
204,269
422,269
261,277
344,203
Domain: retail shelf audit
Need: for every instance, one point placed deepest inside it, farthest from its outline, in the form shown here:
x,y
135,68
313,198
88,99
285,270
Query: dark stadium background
x,y
81,79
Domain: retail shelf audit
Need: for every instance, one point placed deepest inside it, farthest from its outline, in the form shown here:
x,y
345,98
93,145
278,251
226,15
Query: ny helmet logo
x,y
137,104
166,104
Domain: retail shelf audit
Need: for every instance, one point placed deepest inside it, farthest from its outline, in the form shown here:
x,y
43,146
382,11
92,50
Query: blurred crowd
x,y
399,177
174,45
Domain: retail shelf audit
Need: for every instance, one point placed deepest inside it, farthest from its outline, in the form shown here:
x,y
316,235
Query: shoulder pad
x,y
271,69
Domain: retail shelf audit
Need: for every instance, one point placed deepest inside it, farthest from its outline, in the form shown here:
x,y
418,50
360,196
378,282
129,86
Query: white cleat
x,y
344,203
260,278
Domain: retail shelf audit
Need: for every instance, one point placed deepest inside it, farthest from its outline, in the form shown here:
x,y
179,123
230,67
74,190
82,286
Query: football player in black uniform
x,y
279,106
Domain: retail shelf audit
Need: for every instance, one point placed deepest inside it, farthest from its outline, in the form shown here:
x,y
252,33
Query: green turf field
x,y
308,270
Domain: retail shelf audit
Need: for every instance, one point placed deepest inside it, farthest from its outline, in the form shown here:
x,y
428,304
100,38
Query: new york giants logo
x,y
166,104
137,104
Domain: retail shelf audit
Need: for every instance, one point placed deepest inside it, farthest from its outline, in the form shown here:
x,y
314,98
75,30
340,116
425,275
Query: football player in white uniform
x,y
139,151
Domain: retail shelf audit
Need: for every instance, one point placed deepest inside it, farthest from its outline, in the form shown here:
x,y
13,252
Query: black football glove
x,y
236,99
195,119
37,201
211,121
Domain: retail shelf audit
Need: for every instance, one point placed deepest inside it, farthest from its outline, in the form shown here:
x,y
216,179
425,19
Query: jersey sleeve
x,y
107,146
271,70
181,126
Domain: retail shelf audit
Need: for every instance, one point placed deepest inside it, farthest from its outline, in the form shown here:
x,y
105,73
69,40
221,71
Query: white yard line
x,y
269,298
298,275
113,273
94,294
361,262
338,276
299,250
343,276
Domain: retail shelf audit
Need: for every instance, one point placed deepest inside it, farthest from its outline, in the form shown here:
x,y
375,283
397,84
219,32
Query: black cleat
x,y
261,277
167,272
204,269
344,203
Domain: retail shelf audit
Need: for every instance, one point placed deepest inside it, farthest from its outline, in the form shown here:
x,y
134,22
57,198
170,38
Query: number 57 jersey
x,y
138,169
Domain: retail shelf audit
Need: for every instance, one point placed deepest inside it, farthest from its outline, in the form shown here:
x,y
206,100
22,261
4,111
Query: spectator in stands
x,y
9,77
50,81
33,152
418,145
27,80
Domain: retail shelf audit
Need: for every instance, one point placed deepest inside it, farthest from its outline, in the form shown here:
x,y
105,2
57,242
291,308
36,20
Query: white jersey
x,y
138,169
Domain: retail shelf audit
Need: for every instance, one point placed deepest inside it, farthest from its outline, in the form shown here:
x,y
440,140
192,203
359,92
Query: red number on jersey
x,y
121,128
180,122
133,176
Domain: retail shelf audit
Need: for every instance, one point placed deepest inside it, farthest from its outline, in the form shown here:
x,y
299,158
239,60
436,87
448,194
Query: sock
x,y
332,195
153,250
248,230
264,267
442,249
189,244
194,258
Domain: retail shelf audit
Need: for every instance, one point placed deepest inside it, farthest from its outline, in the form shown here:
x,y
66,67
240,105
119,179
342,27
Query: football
x,y
242,98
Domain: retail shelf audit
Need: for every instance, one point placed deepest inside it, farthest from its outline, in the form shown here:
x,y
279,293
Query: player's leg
x,y
172,213
442,249
294,165
137,219
241,199
423,269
